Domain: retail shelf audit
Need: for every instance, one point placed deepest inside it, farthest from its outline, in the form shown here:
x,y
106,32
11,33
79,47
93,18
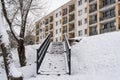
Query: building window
x,y
56,39
79,12
85,20
80,2
56,14
85,31
60,29
80,33
56,31
85,10
56,23
80,23
60,13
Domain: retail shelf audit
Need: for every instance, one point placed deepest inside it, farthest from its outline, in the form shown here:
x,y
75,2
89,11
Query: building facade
x,y
79,18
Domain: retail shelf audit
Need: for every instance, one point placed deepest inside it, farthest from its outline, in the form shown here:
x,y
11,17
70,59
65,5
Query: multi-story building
x,y
103,16
79,18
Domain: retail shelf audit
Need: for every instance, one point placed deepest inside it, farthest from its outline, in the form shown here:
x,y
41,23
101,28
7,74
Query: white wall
x,y
81,17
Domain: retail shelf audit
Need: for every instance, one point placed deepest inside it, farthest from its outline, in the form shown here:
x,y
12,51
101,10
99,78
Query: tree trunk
x,y
7,56
21,53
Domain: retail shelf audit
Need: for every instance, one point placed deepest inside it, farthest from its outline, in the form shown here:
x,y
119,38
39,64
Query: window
x,y
56,31
85,31
85,0
85,10
80,2
56,39
56,14
60,29
85,20
79,12
80,33
60,13
56,23
80,23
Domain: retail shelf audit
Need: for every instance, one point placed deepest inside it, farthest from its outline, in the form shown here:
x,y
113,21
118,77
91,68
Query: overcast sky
x,y
54,4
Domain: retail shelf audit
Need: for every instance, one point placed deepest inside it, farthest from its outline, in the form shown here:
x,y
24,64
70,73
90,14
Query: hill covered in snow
x,y
93,58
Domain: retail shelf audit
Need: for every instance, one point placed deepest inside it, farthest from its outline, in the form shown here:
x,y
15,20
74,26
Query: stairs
x,y
54,62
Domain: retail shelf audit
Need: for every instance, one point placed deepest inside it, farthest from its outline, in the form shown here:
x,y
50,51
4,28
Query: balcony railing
x,y
93,22
93,10
107,17
93,33
107,3
112,28
91,0
65,31
71,29
64,22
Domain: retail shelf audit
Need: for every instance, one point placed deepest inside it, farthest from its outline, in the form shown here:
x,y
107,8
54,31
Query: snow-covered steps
x,y
54,61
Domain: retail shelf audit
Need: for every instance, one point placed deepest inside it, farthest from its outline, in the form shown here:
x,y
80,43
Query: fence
x,y
42,51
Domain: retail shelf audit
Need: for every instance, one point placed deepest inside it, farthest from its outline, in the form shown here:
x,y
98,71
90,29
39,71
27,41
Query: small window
x,y
80,33
85,10
79,2
80,23
85,31
85,20
56,14
56,23
79,12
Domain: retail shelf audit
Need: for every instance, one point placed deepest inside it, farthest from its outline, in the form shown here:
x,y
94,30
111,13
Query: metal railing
x,y
68,53
42,51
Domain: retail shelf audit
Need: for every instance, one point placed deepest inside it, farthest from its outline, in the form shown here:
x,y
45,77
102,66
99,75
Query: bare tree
x,y
7,55
16,14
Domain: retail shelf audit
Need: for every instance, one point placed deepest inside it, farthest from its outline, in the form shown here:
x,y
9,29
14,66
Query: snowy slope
x,y
93,58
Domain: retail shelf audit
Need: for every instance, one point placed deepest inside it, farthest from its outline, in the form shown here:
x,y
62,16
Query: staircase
x,y
54,61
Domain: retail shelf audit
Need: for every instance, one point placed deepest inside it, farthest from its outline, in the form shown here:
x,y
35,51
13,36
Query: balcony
x,y
51,19
64,11
72,27
93,10
51,26
93,31
71,8
93,22
107,3
107,17
46,22
71,35
108,29
64,20
71,17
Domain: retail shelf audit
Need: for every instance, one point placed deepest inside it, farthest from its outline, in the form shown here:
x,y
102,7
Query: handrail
x,y
68,53
42,51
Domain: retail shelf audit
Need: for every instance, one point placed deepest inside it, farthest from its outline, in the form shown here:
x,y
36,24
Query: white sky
x,y
54,4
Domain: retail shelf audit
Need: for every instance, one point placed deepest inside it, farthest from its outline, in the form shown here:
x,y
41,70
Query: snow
x,y
93,58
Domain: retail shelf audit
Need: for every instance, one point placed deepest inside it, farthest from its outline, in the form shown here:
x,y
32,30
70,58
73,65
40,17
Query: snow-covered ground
x,y
93,58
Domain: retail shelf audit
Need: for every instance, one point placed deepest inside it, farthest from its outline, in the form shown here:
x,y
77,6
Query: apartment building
x,y
103,16
79,18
